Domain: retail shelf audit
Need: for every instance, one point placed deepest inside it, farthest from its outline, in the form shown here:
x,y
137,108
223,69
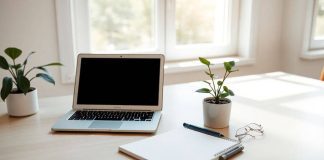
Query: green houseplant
x,y
16,90
217,108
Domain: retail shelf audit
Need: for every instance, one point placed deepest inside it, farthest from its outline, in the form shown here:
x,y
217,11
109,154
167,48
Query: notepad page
x,y
177,144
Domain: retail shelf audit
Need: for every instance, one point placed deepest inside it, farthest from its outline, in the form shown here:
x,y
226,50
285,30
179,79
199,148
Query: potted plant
x,y
22,99
217,108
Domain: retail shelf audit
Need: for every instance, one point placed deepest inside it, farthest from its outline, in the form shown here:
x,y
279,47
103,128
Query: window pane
x,y
319,26
122,24
200,21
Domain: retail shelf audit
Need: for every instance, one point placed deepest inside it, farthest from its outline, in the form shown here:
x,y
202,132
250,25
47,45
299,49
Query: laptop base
x,y
64,124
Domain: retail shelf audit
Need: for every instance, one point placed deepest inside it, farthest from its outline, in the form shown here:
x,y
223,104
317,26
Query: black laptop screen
x,y
119,81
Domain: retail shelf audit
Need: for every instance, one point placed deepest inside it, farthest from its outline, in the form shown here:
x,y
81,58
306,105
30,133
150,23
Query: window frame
x,y
66,40
174,53
315,44
159,28
165,32
311,48
246,43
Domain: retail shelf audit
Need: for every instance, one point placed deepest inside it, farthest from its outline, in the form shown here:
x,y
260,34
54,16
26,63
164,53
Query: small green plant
x,y
217,89
20,74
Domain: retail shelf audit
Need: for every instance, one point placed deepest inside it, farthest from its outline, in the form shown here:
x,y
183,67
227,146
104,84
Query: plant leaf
x,y
232,63
25,62
219,83
211,75
20,73
223,95
6,87
225,89
12,52
206,82
207,73
3,63
17,66
46,77
227,66
203,90
204,61
43,69
52,64
23,83
230,92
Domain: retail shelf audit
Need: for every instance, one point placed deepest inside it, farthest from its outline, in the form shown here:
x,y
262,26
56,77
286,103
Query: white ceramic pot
x,y
19,104
216,115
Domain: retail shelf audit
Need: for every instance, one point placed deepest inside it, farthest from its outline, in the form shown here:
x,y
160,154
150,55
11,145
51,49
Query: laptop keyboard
x,y
112,115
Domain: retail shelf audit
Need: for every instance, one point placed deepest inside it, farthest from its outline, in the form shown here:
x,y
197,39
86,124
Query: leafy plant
x,y
19,73
217,89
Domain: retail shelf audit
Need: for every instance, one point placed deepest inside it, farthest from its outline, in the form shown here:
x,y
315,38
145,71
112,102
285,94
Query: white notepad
x,y
181,143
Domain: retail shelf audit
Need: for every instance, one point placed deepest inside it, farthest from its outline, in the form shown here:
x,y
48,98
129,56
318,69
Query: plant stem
x,y
15,83
226,74
32,79
13,74
24,69
30,70
211,88
212,78
14,62
212,94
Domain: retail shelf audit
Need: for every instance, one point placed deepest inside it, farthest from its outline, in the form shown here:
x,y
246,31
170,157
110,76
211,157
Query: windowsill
x,y
313,54
195,65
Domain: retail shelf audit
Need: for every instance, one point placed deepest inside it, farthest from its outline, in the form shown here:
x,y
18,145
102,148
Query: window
x,y
317,36
122,24
313,46
180,29
204,27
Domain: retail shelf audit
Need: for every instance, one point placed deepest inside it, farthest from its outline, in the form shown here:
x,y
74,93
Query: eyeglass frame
x,y
248,129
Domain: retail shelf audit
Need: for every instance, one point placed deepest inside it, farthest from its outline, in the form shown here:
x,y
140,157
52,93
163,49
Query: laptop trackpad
x,y
105,124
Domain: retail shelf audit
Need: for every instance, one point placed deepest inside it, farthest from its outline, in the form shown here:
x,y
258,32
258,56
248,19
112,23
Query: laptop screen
x,y
119,81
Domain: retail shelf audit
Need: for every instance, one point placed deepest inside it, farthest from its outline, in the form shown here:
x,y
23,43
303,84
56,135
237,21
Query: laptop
x,y
116,93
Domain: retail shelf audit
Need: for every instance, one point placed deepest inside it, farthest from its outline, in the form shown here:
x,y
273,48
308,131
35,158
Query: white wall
x,y
31,26
293,35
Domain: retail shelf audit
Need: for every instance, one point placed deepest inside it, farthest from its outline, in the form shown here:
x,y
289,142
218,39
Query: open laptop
x,y
116,93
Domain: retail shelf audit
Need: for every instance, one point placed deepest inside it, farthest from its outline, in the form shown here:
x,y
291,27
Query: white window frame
x,y
175,52
314,43
83,41
245,43
311,48
66,40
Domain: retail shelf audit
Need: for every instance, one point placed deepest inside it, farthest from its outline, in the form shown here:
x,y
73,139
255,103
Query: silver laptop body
x,y
116,84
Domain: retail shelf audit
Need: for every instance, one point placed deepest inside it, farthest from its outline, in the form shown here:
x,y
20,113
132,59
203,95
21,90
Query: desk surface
x,y
289,107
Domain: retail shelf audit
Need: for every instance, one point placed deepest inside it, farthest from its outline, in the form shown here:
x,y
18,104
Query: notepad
x,y
180,143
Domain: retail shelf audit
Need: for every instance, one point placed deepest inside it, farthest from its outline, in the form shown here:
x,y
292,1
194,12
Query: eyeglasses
x,y
250,130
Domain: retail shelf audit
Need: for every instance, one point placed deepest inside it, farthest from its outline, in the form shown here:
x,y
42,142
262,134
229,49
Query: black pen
x,y
202,130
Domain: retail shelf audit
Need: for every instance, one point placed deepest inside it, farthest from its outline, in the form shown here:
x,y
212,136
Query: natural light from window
x,y
200,21
319,21
180,29
122,24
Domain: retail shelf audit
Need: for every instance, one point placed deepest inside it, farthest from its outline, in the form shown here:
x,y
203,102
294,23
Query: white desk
x,y
291,109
